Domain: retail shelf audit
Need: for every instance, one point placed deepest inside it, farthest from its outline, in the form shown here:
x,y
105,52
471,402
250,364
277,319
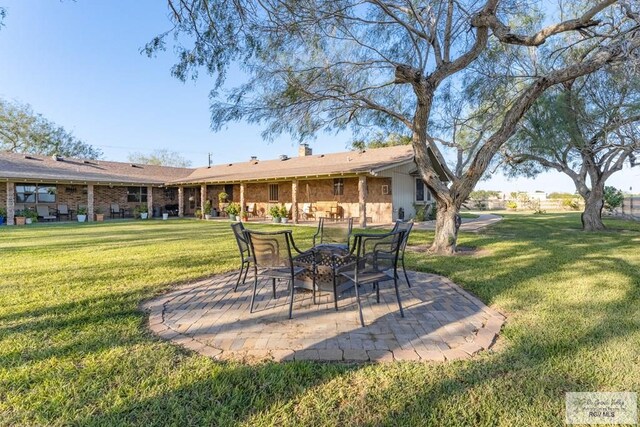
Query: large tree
x,y
23,131
161,157
330,64
588,129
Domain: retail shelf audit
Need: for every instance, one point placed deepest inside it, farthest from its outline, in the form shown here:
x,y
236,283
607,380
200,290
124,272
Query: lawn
x,y
74,348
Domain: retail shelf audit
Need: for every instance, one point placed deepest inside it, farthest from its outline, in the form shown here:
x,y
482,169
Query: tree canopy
x,y
390,64
23,131
161,157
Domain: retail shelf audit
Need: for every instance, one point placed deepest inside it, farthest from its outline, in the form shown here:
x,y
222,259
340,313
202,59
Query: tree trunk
x,y
446,234
593,203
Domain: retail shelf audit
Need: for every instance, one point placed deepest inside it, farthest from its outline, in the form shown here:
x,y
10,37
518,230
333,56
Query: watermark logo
x,y
602,408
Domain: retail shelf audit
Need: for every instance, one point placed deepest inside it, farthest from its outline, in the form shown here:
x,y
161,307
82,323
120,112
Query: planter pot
x,y
144,215
165,216
29,220
1,220
99,217
207,217
284,220
20,220
82,218
276,220
237,218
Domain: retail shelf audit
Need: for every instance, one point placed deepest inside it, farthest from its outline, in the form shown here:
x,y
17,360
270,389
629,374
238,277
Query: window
x,y
137,194
273,192
338,187
28,193
422,193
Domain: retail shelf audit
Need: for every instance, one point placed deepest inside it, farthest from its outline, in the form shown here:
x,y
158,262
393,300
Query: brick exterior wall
x,y
3,195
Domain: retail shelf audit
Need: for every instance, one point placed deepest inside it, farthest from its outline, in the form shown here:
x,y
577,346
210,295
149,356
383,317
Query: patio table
x,y
328,259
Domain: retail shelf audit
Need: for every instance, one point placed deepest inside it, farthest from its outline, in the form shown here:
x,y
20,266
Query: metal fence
x,y
631,207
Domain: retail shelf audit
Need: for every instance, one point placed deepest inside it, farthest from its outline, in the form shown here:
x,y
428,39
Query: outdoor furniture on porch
x,y
250,210
405,226
336,233
116,210
245,253
44,213
374,255
272,255
307,211
63,210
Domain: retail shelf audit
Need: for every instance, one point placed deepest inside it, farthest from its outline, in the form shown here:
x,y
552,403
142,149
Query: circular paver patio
x,y
442,322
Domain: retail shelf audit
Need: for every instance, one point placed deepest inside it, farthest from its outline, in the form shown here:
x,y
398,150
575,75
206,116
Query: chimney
x,y
253,158
304,150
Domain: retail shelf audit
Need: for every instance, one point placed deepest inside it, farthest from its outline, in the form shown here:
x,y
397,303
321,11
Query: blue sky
x,y
78,63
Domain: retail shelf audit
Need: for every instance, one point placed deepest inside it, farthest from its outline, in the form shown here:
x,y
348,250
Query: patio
x,y
443,322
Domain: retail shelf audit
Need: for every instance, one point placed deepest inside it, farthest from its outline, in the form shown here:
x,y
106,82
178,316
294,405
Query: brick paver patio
x,y
442,322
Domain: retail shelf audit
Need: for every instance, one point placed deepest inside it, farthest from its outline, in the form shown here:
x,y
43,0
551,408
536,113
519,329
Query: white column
x,y
294,201
242,202
11,203
362,199
150,200
181,202
203,198
90,216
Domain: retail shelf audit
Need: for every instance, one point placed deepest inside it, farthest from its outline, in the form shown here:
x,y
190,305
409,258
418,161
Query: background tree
x,y
161,158
381,64
381,140
587,129
23,131
613,198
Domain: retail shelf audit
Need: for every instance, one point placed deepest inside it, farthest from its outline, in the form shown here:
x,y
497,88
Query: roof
x,y
30,167
321,165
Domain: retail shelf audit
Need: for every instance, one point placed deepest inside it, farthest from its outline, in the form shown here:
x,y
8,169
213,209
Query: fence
x,y
546,205
631,207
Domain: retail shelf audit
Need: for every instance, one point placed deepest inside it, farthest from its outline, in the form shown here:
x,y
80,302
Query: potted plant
x,y
3,215
141,211
165,216
82,214
207,210
31,216
222,197
99,214
20,219
198,213
233,210
284,214
274,211
245,216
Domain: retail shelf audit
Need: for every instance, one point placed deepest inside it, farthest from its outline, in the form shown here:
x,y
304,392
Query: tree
x,y
383,64
587,129
613,198
380,140
160,158
23,131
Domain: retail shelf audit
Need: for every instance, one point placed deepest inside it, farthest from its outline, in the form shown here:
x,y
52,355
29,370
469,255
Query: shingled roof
x,y
30,167
321,165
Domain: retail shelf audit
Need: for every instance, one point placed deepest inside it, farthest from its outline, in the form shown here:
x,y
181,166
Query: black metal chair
x,y
63,210
375,255
333,233
272,254
245,252
405,226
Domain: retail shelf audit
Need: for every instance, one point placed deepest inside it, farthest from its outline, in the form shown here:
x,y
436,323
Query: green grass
x,y
74,348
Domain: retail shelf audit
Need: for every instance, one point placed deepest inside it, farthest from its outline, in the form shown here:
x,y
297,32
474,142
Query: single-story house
x,y
375,185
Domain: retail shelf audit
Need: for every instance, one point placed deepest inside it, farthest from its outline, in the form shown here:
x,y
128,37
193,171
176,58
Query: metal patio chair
x,y
272,254
333,233
63,210
405,226
44,213
376,261
245,253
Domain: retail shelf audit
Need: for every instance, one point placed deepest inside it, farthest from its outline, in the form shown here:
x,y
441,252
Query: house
x,y
377,185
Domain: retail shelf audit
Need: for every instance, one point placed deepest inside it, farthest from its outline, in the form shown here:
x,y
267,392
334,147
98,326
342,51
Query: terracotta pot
x,y
99,217
21,220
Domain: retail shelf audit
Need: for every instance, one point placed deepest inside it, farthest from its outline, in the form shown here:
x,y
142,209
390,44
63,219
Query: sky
x,y
78,63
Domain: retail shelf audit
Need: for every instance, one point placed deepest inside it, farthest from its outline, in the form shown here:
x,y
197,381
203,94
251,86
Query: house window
x,y
27,193
338,187
137,194
273,192
422,193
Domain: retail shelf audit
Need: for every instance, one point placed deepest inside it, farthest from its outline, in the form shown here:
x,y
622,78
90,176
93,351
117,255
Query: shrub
x,y
207,207
571,204
274,211
284,212
421,212
3,212
613,198
233,209
512,205
222,197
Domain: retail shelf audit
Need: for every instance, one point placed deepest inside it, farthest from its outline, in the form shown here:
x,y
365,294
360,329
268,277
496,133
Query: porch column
x,y
294,201
242,203
362,199
150,201
90,216
181,202
11,203
203,197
